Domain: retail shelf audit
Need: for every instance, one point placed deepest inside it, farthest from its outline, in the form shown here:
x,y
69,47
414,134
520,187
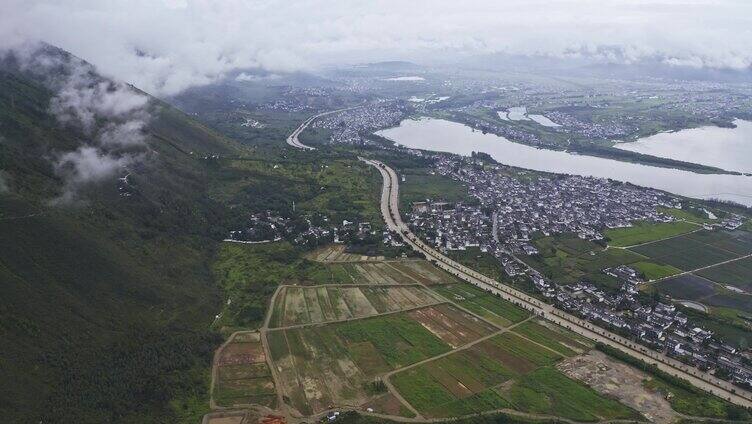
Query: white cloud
x,y
111,116
88,164
164,47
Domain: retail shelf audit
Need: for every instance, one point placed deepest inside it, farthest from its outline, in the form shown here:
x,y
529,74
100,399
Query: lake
x,y
725,148
446,136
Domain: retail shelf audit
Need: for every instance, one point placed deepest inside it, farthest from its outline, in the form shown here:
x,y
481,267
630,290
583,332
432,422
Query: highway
x,y
702,380
292,139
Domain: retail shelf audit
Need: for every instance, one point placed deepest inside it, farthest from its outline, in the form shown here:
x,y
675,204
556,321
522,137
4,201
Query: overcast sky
x,y
165,46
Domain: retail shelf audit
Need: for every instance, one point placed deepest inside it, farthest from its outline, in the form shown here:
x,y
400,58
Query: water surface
x,y
446,136
725,148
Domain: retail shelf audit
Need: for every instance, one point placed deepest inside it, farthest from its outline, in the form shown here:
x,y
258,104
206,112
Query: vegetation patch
x,y
243,376
654,271
548,391
493,308
559,339
503,372
400,340
737,273
568,259
696,250
645,232
250,273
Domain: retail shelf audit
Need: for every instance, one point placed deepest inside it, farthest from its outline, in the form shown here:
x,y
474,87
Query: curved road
x,y
292,139
702,380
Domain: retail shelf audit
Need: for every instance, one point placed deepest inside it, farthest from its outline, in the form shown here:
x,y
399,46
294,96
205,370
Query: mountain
x,y
107,232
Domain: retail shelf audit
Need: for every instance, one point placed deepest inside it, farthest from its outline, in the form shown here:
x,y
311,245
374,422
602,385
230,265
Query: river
x,y
725,148
447,136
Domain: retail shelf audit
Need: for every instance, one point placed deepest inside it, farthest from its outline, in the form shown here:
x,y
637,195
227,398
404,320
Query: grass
x,y
490,307
694,215
548,391
684,252
398,339
569,259
524,349
559,340
419,186
647,232
457,384
503,372
250,273
694,402
483,262
654,271
738,273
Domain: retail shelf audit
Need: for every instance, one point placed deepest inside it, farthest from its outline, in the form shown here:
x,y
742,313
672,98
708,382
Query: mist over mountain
x,y
166,47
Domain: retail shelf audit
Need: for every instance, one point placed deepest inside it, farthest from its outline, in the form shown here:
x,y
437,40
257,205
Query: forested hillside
x,y
105,299
112,208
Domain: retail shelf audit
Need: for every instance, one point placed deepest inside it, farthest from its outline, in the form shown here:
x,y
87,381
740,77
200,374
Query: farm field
x,y
569,259
335,363
296,305
243,376
737,274
690,251
336,253
688,286
493,308
698,216
377,273
654,271
422,272
692,287
454,326
553,337
646,232
505,371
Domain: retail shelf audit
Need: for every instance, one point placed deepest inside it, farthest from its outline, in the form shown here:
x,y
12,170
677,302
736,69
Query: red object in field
x,y
272,419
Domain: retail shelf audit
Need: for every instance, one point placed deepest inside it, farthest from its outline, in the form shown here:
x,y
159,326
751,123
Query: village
x,y
508,207
350,126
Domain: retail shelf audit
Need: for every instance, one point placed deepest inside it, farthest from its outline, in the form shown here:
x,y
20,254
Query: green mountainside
x,y
105,304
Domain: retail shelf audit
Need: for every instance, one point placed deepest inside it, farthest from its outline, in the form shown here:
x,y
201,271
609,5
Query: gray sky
x,y
165,46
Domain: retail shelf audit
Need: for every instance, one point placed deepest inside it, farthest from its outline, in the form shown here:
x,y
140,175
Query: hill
x,y
106,298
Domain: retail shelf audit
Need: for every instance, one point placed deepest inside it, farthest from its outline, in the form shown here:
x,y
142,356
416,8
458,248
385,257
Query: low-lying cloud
x,y
110,117
166,46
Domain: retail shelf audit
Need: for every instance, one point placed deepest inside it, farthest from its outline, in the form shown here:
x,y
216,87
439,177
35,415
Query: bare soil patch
x,y
621,381
386,404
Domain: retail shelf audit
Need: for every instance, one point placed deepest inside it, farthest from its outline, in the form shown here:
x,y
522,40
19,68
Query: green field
x,y
493,308
688,286
503,372
697,216
569,259
692,287
419,186
547,391
399,340
654,271
738,273
243,376
646,232
556,338
250,273
685,252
